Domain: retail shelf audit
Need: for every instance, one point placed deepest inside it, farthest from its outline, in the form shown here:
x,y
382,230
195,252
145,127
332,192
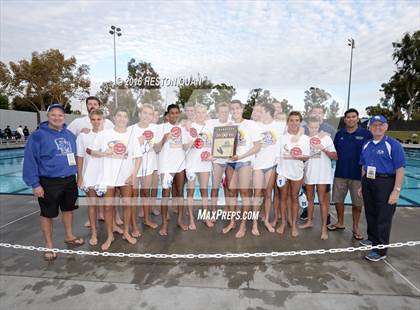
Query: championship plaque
x,y
224,141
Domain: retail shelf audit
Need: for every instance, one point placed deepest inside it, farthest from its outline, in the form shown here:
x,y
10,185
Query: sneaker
x,y
328,219
304,215
365,242
374,257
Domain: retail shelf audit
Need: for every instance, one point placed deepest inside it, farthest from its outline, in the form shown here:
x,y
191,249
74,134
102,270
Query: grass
x,y
404,135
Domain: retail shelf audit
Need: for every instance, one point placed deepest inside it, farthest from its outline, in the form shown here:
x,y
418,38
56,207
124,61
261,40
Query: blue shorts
x,y
238,165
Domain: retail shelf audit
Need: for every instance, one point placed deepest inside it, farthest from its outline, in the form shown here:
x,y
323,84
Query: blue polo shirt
x,y
349,146
386,156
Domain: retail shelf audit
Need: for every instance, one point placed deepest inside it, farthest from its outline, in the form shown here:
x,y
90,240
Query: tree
x,y
379,110
222,93
333,110
286,106
402,92
315,97
259,96
145,84
196,92
46,78
4,102
105,91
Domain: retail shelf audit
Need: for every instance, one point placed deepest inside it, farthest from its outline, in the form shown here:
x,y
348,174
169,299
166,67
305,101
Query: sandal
x,y
335,227
49,256
78,241
357,236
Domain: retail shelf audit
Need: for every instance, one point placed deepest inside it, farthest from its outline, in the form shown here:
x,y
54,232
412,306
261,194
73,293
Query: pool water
x,y
11,182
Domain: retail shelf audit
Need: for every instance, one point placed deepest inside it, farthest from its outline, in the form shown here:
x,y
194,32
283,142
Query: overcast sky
x,y
282,46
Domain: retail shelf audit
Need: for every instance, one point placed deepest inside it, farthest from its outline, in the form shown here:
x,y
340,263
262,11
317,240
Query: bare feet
x,y
182,226
107,244
324,234
136,233
163,230
87,224
281,228
119,221
295,232
117,229
273,223
228,228
306,225
129,238
151,224
93,240
241,232
101,218
269,227
192,226
209,223
255,230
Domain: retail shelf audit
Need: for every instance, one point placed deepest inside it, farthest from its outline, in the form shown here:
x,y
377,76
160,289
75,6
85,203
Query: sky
x,y
284,46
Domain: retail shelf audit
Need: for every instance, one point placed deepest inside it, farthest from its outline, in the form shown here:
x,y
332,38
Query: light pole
x,y
115,31
351,44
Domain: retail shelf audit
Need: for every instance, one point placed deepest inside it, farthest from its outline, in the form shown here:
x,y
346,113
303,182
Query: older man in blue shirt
x,y
383,163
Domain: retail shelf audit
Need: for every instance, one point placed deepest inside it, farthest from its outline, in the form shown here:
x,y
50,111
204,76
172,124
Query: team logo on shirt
x,y
119,147
193,132
63,146
241,137
206,137
198,143
148,135
296,151
380,152
315,141
176,132
204,155
268,138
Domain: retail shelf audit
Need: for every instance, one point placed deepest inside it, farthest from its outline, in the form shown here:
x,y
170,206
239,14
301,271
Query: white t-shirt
x,y
248,133
118,168
202,137
149,159
270,138
318,168
84,122
172,154
211,123
92,166
289,167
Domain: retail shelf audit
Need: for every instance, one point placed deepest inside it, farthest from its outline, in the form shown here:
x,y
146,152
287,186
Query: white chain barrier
x,y
216,255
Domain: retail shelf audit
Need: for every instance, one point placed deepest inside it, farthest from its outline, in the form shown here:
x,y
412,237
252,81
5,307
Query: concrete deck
x,y
333,281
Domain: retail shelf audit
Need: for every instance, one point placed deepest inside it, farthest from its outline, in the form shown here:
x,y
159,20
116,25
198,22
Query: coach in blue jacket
x,y
50,169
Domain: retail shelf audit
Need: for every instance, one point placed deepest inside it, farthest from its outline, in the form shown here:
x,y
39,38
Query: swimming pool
x,y
11,182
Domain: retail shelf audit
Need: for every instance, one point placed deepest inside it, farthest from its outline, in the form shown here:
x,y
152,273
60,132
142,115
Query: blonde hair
x,y
146,105
98,112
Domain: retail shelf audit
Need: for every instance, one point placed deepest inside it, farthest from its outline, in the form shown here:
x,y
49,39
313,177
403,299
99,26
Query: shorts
x,y
342,186
59,193
238,165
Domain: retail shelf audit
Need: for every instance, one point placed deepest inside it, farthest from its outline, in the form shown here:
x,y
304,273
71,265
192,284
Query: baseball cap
x,y
378,118
55,105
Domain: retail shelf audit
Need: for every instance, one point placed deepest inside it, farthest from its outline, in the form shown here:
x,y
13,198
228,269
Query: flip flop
x,y
78,241
49,256
335,227
357,236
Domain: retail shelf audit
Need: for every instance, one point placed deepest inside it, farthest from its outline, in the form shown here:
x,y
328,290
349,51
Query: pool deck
x,y
330,281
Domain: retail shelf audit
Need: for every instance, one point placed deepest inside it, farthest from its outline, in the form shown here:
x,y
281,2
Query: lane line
x,y
22,217
402,276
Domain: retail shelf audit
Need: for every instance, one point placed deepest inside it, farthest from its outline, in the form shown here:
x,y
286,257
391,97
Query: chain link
x,y
215,255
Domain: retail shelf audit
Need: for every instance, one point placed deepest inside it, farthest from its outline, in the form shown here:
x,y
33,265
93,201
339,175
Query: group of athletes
x,y
273,159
